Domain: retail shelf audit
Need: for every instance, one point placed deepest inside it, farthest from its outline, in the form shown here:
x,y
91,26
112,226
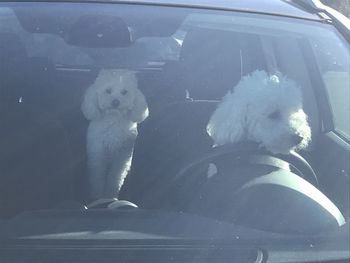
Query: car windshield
x,y
175,109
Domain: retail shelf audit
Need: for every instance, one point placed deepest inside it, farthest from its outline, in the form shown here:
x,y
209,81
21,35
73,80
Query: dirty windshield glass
x,y
173,109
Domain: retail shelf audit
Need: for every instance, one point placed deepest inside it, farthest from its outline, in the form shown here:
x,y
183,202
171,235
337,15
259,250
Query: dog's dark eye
x,y
124,92
108,91
275,115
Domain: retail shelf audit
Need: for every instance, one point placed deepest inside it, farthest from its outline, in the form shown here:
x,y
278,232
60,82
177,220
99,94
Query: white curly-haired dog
x,y
114,106
263,108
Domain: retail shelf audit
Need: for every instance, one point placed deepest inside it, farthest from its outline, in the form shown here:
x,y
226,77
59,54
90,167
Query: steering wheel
x,y
251,153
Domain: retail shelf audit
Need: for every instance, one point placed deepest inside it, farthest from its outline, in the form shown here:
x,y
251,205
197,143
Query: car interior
x,y
42,131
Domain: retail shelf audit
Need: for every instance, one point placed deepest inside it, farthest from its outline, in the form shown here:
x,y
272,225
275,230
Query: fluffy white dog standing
x,y
114,105
265,109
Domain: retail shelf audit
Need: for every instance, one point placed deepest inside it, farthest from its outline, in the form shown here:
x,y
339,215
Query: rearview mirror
x,y
95,31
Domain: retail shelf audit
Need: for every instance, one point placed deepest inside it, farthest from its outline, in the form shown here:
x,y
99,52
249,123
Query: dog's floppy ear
x,y
139,111
89,107
227,124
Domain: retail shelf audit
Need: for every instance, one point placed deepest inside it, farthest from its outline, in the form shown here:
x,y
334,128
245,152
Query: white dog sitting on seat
x,y
265,109
114,106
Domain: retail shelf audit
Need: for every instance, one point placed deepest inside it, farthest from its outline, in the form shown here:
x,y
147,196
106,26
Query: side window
x,y
335,69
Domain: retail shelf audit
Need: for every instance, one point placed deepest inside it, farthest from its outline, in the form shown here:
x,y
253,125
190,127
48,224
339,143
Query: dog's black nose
x,y
115,103
297,139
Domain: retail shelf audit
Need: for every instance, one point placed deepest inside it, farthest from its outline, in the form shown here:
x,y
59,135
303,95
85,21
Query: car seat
x,y
35,156
165,143
211,63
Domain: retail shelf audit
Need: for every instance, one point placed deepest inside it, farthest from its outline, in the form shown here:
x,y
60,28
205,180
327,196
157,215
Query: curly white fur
x,y
114,105
265,109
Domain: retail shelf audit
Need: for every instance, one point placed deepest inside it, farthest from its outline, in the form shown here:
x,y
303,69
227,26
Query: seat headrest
x,y
39,72
211,60
215,60
11,46
26,79
203,43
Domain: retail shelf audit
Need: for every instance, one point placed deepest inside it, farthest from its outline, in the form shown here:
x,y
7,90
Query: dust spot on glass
x,y
212,170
